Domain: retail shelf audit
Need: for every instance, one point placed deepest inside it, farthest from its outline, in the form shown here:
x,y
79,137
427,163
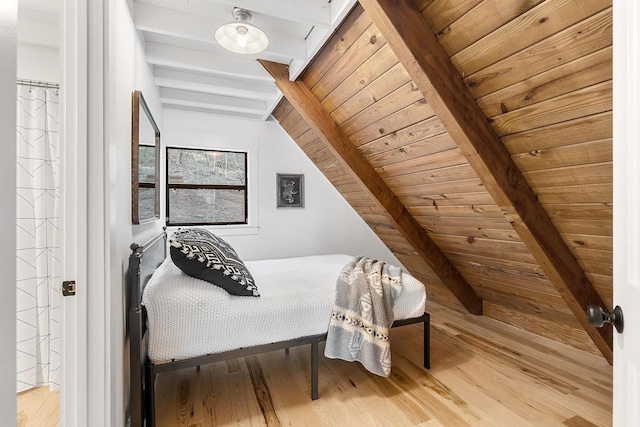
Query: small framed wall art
x,y
290,190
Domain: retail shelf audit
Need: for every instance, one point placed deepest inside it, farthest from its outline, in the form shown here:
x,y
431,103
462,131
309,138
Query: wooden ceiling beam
x,y
415,45
312,111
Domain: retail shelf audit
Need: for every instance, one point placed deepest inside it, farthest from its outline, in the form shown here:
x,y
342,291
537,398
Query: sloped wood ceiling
x,y
540,72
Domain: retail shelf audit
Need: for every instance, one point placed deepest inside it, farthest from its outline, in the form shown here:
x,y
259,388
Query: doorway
x,y
39,209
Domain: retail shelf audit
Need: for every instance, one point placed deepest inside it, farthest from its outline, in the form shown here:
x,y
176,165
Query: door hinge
x,y
69,288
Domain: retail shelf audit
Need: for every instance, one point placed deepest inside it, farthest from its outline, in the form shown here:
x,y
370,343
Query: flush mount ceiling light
x,y
240,36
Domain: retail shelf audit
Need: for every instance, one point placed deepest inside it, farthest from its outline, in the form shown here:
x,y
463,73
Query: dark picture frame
x,y
290,190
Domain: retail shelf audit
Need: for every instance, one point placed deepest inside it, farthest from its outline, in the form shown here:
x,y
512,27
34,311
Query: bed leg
x,y
198,368
286,350
314,371
427,341
150,409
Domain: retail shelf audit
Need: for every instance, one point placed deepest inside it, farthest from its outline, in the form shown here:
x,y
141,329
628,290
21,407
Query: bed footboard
x,y
138,274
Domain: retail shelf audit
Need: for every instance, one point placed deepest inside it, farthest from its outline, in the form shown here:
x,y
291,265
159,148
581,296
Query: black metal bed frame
x,y
143,372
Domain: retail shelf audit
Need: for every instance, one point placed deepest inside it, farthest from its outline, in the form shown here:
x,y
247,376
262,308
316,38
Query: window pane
x,y
200,206
147,164
146,202
206,167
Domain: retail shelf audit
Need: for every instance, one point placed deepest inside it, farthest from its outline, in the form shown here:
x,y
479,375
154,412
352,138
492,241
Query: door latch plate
x,y
69,288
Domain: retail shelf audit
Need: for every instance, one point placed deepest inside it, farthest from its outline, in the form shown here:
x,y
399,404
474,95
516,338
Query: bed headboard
x,y
154,253
143,261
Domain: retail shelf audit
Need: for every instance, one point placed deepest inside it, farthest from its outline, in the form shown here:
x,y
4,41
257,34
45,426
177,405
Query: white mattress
x,y
189,317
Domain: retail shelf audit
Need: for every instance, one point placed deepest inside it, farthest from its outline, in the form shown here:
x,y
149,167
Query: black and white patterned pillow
x,y
201,254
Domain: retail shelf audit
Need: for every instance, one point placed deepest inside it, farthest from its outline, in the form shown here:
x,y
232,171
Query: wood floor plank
x,y
577,421
262,392
38,407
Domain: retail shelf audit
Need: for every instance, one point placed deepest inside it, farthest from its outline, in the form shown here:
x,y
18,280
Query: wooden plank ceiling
x,y
521,207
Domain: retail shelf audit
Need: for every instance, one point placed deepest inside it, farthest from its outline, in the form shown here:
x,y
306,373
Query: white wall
x,y
126,71
326,224
38,42
38,63
8,18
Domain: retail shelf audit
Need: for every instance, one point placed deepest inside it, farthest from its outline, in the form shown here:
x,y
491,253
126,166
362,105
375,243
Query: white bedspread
x,y
188,317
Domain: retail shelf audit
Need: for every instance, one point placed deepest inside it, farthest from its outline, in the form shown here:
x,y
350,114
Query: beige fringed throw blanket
x,y
366,291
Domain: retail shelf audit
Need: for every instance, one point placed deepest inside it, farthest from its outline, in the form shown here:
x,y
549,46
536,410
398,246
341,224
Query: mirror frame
x,y
137,104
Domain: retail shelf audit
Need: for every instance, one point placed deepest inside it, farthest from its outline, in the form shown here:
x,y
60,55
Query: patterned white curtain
x,y
39,305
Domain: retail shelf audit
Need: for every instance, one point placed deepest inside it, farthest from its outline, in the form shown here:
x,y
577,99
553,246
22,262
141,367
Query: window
x,y
147,182
206,187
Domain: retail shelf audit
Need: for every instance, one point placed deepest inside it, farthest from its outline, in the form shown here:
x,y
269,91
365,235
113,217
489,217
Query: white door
x,y
626,211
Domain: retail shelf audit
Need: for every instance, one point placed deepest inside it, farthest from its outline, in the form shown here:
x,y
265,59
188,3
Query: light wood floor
x,y
39,407
483,373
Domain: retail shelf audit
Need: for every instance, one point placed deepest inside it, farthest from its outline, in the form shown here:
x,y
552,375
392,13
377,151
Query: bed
x,y
177,321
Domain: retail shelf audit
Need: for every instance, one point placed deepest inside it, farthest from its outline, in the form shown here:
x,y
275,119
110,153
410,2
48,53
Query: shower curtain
x,y
39,305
